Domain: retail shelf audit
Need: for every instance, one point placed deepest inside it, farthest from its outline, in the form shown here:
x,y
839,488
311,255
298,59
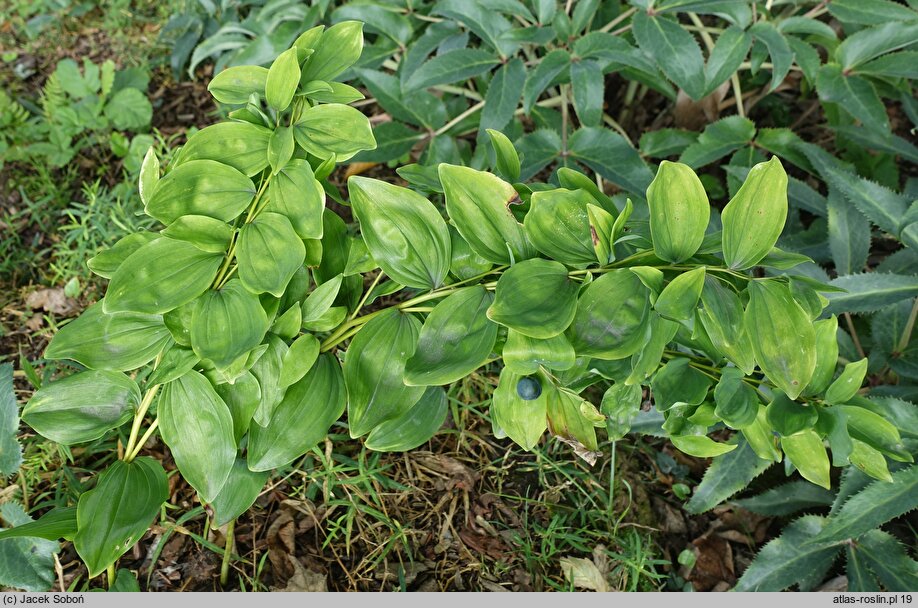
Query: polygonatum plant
x,y
243,329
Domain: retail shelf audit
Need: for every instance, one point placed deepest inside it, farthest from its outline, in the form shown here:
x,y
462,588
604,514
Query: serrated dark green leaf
x,y
718,140
787,498
675,50
870,291
608,154
727,475
450,67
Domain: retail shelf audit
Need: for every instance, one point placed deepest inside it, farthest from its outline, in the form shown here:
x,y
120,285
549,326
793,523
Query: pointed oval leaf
x,y
118,341
478,203
242,398
612,318
455,340
239,493
205,233
754,217
679,298
679,212
334,129
201,187
161,276
115,514
296,194
82,407
240,145
403,231
299,359
226,323
234,85
374,367
269,254
735,401
847,384
282,80
806,452
782,335
198,428
302,419
535,298
413,428
787,417
700,446
558,225
722,319
338,48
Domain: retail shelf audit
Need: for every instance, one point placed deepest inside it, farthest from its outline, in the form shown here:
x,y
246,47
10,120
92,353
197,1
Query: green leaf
x,y
826,355
129,109
205,233
620,405
59,522
296,194
726,476
451,66
722,319
25,563
478,204
608,154
523,420
82,407
886,557
149,175
227,323
488,25
787,498
572,418
455,340
240,145
403,231
788,417
848,383
870,12
334,128
718,140
679,212
269,253
666,142
239,492
790,559
782,335
728,53
299,359
537,150
338,48
465,263
677,382
395,140
159,277
612,318
507,160
540,78
524,355
602,233
234,85
854,94
321,299
282,80
535,298
874,430
806,452
736,402
679,298
374,367
588,87
242,398
107,261
646,361
877,504
302,419
115,514
700,446
674,49
280,148
870,291
755,216
761,438
778,49
872,42
894,65
267,370
558,225
118,341
414,427
198,428
10,451
503,97
868,460
849,235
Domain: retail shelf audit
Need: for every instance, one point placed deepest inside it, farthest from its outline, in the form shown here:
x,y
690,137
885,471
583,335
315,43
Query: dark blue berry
x,y
528,388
